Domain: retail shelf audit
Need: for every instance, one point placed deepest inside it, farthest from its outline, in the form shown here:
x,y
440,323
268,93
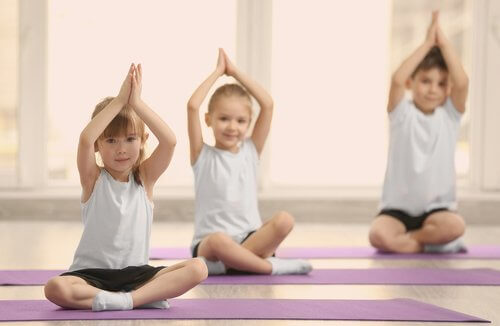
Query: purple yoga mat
x,y
394,310
409,276
473,252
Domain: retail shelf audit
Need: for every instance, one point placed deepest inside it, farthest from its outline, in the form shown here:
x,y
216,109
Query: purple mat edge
x,y
439,314
474,252
366,276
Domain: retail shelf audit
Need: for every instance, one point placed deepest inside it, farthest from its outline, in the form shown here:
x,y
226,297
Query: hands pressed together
x,y
224,65
435,35
130,91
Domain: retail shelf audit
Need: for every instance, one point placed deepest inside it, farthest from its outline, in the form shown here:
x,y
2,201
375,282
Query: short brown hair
x,y
229,90
126,120
433,59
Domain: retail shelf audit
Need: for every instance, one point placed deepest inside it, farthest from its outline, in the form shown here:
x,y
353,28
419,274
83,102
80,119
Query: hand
x,y
124,94
230,67
432,31
135,94
221,63
440,37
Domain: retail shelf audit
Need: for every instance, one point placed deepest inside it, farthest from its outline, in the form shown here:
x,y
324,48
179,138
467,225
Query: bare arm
x,y
87,167
153,167
459,79
263,123
193,108
405,70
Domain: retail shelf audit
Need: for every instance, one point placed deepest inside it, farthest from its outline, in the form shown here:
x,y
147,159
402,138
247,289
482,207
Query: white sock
x,y
451,247
214,267
289,266
106,300
162,304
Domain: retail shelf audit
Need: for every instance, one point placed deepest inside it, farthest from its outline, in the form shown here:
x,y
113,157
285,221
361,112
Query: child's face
x,y
229,120
429,89
119,153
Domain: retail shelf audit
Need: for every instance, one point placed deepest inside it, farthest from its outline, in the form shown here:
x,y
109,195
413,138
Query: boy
x,y
418,199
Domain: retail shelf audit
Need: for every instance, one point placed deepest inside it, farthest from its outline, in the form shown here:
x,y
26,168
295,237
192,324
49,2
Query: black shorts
x,y
195,249
410,222
126,279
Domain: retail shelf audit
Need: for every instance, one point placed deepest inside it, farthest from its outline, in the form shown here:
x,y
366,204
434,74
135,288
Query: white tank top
x,y
226,191
117,225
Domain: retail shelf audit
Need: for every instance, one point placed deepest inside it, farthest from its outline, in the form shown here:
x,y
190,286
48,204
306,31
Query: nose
x,y
121,148
232,125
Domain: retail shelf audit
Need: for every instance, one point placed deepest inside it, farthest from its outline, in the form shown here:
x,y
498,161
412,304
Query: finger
x,y
435,16
139,72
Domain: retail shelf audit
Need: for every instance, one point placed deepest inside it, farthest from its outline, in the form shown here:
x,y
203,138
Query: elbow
x,y
398,81
192,106
85,140
462,84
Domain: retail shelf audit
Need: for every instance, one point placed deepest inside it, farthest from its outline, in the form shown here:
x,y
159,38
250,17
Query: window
x,y
91,46
8,91
329,81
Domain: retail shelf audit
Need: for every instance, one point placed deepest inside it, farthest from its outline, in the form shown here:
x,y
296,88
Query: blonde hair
x,y
126,120
229,90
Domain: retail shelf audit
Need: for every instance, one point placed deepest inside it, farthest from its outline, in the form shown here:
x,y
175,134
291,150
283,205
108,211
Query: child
x,y
418,201
109,270
228,230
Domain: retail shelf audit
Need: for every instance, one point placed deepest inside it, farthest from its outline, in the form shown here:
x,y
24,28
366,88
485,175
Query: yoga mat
x,y
473,252
394,310
408,276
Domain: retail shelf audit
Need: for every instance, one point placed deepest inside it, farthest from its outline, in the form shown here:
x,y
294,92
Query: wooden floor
x,y
50,245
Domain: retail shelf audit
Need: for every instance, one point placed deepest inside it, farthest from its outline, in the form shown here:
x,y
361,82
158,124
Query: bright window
x,y
92,44
330,73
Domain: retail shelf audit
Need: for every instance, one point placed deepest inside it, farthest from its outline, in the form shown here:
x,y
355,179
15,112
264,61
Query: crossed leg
x,y
75,293
389,234
250,255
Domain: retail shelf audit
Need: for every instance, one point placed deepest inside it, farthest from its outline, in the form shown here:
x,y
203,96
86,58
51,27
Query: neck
x,y
119,176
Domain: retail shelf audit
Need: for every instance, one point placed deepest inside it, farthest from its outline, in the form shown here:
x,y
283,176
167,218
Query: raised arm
x,y
409,65
87,167
153,167
263,123
459,79
193,108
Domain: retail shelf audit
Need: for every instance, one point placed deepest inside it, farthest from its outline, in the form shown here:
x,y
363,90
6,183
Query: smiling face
x,y
119,154
121,145
229,121
429,88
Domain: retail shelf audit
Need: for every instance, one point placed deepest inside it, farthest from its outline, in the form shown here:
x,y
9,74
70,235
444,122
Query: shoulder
x,y
248,148
88,190
401,110
205,154
451,110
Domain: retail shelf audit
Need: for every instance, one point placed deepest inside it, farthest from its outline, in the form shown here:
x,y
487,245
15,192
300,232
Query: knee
x,y
218,241
198,269
56,291
456,229
283,223
379,240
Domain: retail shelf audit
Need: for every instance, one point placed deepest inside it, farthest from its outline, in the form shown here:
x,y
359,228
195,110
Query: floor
x,y
50,245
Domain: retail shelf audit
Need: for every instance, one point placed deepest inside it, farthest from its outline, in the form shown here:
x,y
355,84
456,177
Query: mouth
x,y
122,160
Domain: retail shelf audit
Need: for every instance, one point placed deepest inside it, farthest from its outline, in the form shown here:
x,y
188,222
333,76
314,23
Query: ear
x,y
96,147
409,83
208,119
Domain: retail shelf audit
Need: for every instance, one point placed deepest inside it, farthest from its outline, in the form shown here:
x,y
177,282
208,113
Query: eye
x,y
131,139
223,118
110,140
242,121
426,81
